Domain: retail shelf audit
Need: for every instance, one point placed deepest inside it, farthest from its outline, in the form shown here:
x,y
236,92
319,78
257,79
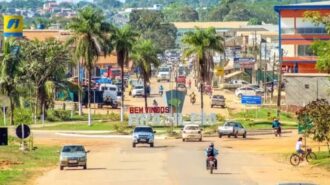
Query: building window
x,y
305,50
314,31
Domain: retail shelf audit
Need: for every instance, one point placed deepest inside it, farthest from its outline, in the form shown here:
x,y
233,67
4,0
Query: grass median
x,y
18,168
323,160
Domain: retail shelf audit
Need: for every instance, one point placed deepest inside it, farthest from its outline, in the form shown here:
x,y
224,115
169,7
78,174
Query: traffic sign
x,y
23,131
251,100
219,71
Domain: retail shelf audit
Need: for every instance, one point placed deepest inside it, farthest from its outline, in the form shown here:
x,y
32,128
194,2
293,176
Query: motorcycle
x,y
277,131
211,164
192,100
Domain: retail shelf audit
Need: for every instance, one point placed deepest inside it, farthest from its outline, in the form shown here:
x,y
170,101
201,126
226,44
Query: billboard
x,y
244,62
13,26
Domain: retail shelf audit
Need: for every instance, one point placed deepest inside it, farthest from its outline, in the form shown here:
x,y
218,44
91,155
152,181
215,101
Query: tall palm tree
x,y
144,55
9,72
89,41
122,40
202,44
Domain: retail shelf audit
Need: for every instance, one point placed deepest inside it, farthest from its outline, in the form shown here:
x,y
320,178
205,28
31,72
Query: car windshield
x,y
218,97
230,124
164,69
73,149
192,128
143,129
138,87
181,86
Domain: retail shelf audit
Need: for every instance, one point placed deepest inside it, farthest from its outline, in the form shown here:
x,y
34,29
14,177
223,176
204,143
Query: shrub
x,y
121,128
220,118
22,115
58,115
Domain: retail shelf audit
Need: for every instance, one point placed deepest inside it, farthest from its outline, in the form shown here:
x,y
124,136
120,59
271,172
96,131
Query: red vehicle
x,y
181,79
114,73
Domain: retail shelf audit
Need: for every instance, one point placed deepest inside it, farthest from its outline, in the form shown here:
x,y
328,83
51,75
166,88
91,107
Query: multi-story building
x,y
296,34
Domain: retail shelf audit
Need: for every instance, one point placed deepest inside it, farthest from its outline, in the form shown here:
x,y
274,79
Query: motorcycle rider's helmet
x,y
212,145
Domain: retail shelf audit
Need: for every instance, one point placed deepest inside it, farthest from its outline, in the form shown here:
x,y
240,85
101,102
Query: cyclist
x,y
299,146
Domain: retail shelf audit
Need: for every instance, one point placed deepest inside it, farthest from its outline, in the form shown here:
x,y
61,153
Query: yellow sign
x,y
13,26
219,71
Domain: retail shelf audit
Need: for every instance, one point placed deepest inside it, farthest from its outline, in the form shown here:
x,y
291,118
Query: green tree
x,y
122,40
320,48
318,112
180,13
151,25
43,62
9,73
202,44
89,40
144,56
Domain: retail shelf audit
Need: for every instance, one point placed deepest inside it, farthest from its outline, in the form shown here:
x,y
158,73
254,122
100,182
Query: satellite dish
x,y
4,101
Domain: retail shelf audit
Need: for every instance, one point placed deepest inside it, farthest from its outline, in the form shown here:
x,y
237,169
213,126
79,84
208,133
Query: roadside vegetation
x,y
18,168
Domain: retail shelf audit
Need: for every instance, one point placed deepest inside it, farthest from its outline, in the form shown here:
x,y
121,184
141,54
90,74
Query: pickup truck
x,y
232,128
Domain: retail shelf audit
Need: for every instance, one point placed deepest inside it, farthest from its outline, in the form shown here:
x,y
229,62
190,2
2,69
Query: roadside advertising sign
x,y
244,62
13,26
251,100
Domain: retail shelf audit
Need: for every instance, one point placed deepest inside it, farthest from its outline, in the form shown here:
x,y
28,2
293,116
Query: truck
x,y
114,73
164,74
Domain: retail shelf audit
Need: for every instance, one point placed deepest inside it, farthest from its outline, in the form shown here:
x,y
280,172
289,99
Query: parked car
x,y
247,91
138,91
182,87
218,100
191,132
73,156
143,134
232,128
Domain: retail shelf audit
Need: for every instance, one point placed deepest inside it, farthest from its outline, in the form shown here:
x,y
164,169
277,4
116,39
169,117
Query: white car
x,y
232,128
246,91
138,90
191,131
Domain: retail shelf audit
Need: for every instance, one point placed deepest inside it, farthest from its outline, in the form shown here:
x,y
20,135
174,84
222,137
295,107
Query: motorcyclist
x,y
276,124
211,152
192,96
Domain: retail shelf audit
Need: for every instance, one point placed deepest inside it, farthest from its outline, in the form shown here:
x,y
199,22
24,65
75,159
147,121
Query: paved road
x,y
171,162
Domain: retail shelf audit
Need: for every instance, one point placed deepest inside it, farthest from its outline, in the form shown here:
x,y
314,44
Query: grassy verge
x,y
17,167
323,160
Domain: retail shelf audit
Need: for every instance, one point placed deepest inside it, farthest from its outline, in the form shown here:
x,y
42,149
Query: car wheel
x,y
223,106
220,135
134,145
244,135
211,106
85,166
151,144
61,167
183,140
200,140
133,96
229,135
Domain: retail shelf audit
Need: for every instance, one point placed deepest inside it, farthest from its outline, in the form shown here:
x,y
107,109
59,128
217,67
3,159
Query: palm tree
x,y
122,40
89,41
144,55
201,44
9,72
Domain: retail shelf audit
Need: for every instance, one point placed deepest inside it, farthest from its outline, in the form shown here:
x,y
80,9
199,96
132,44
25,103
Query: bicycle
x,y
296,158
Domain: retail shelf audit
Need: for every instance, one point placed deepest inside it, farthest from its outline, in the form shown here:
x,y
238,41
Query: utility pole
x,y
279,84
273,76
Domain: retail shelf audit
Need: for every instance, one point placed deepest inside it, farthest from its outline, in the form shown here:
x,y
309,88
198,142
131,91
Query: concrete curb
x,y
71,134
